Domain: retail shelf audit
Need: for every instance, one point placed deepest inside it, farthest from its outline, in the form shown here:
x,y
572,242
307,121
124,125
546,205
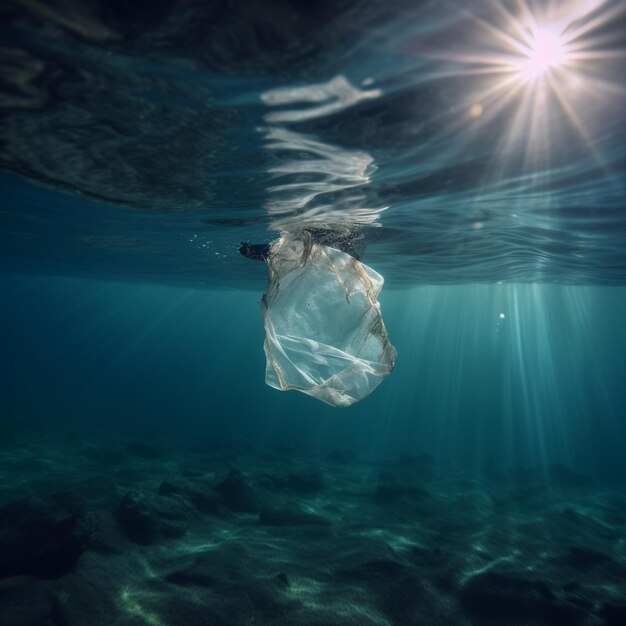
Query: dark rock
x,y
138,518
507,598
110,538
143,451
228,589
44,536
613,614
173,507
145,519
199,492
291,517
582,559
237,494
406,601
282,579
25,602
310,481
170,530
395,588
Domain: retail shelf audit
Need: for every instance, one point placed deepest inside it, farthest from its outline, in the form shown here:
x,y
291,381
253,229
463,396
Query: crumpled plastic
x,y
324,331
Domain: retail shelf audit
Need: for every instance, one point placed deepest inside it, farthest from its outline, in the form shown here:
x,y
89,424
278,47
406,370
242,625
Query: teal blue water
x,y
543,385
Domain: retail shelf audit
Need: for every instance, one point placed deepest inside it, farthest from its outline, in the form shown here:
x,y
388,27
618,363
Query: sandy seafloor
x,y
134,533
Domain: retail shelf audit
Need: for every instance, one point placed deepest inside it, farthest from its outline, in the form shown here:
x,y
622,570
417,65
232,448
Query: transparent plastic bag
x,y
324,331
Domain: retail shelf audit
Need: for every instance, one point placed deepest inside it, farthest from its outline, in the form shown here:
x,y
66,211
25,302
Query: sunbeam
x,y
537,68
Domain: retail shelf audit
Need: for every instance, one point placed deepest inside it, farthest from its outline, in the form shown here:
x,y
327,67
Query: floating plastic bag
x,y
324,332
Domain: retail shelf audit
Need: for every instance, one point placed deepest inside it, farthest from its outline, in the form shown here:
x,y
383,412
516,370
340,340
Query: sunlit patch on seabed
x,y
136,609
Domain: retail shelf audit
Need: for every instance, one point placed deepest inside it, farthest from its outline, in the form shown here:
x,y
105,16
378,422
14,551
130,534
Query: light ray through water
x,y
540,66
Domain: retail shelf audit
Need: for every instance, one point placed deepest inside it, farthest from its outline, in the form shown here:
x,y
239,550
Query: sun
x,y
536,67
545,50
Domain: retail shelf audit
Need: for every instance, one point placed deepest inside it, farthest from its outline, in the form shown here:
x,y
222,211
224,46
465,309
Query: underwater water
x,y
473,154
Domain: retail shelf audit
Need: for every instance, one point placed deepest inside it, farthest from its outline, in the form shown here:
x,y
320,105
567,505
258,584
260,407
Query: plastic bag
x,y
324,331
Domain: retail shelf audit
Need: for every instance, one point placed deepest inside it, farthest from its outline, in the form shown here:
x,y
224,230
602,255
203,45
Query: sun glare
x,y
539,67
547,50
